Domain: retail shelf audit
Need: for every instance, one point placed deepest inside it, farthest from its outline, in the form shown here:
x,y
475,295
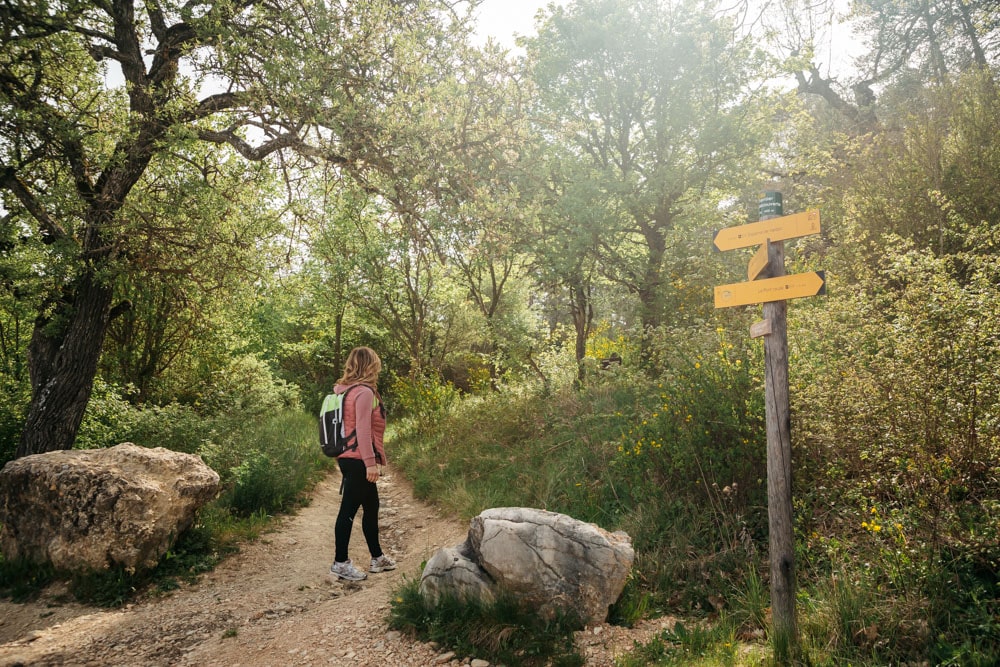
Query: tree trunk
x,y
650,290
583,316
934,43
969,28
62,365
338,344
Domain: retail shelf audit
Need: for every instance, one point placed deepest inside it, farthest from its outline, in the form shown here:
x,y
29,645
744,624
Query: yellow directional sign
x,y
771,289
775,229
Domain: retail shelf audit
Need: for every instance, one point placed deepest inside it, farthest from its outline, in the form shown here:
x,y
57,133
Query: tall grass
x,y
677,466
279,462
502,631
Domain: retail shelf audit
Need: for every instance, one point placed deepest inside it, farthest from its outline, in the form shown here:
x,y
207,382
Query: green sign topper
x,y
770,205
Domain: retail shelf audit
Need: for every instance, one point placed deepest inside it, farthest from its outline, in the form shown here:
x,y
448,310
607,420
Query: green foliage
x,y
246,388
503,631
902,445
695,645
177,427
423,399
281,461
13,409
188,290
636,156
109,415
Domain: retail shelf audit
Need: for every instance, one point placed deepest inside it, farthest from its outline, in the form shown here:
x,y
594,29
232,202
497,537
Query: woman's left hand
x,y
372,472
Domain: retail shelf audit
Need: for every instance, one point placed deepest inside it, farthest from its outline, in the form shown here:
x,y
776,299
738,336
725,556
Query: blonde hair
x,y
362,367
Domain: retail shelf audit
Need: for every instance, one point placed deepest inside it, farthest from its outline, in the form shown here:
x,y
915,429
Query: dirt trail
x,y
271,604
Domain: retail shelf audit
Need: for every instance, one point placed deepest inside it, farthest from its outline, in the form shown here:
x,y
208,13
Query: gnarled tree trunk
x,y
62,357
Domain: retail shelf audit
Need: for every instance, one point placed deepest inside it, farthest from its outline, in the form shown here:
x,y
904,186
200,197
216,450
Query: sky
x,y
502,19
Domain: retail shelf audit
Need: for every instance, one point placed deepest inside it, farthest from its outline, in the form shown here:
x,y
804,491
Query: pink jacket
x,y
363,413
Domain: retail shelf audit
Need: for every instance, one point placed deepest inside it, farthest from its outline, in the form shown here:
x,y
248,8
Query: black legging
x,y
358,492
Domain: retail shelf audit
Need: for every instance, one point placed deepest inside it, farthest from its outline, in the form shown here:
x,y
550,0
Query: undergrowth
x,y
503,631
896,547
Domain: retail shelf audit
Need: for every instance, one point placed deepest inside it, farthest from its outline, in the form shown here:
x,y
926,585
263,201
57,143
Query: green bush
x,y
177,427
423,400
108,417
896,404
245,388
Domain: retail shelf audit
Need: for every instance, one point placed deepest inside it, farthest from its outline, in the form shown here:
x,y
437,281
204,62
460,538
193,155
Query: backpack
x,y
332,438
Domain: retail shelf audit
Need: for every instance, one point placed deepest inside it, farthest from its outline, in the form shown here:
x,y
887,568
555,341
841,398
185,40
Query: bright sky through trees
x,y
502,19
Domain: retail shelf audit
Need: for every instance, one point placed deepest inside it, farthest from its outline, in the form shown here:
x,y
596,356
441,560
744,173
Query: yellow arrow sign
x,y
771,289
775,229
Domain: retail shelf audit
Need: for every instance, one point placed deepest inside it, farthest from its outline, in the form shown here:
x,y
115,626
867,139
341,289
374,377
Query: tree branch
x,y
255,153
217,102
156,21
126,38
50,228
169,51
99,52
817,85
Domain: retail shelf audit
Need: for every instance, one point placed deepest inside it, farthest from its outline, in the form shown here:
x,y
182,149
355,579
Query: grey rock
x,y
92,509
450,572
550,561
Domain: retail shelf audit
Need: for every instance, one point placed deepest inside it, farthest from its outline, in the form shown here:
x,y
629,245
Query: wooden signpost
x,y
770,286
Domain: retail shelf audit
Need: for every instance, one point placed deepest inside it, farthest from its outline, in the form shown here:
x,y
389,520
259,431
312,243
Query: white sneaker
x,y
346,570
382,563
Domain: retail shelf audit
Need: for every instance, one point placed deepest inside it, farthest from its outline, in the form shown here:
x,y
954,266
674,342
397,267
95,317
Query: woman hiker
x,y
364,414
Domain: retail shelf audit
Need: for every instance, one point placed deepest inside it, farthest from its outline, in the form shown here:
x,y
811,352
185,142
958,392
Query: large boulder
x,y
549,561
93,509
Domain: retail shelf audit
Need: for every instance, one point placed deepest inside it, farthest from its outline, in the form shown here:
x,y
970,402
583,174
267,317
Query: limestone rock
x,y
550,561
451,572
92,509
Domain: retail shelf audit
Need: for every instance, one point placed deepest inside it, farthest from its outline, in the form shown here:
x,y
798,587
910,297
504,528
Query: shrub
x,y
108,417
246,387
174,426
423,399
607,454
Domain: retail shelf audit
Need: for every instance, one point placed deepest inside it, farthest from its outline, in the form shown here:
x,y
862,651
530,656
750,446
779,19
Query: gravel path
x,y
271,604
